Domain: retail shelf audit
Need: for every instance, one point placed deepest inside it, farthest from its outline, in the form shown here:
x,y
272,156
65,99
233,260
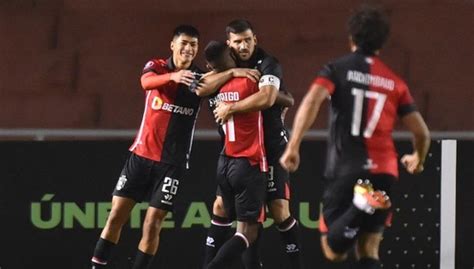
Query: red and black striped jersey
x,y
244,135
167,127
366,98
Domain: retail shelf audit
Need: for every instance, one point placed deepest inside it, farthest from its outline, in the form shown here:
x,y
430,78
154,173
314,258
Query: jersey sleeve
x,y
406,104
326,79
271,73
153,66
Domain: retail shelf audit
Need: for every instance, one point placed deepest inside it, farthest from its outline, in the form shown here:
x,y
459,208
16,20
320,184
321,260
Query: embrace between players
x,y
246,93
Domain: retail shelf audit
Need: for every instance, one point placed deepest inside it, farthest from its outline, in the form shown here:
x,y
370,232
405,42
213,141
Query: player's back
x,y
243,131
366,98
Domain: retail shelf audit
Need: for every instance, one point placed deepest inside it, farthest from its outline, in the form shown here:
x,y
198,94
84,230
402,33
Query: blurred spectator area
x,y
77,63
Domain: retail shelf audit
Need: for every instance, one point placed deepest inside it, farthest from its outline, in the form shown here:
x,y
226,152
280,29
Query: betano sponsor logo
x,y
158,104
48,214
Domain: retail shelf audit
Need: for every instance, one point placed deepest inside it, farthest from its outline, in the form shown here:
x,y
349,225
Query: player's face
x,y
243,44
184,48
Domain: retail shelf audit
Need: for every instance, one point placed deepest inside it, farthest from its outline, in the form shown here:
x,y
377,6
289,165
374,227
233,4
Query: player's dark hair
x,y
214,50
369,28
238,26
186,30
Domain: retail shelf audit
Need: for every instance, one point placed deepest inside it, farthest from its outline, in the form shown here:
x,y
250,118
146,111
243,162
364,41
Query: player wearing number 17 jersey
x,y
366,99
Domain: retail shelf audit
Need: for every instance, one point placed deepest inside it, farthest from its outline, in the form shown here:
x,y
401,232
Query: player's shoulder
x,y
345,59
265,59
390,73
240,81
155,64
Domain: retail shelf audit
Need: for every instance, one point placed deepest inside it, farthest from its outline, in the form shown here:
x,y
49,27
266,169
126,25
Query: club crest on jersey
x,y
149,64
121,182
158,104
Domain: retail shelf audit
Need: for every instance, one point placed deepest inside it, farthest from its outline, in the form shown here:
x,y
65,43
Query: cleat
x,y
379,200
367,199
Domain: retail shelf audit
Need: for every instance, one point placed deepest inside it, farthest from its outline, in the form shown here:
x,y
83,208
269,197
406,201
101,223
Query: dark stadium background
x,y
69,71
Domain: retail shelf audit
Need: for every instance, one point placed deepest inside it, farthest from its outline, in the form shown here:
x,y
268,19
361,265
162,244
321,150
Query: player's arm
x,y
215,81
151,80
284,99
260,100
305,117
269,86
414,163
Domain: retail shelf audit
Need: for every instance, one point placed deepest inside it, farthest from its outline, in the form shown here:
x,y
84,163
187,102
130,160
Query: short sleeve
x,y
325,78
153,66
271,73
406,104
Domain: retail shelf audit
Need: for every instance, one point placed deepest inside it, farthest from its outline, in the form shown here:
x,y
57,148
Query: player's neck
x,y
354,48
180,65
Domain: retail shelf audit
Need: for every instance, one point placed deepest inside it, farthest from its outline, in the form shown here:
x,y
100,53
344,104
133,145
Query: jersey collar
x,y
170,65
253,61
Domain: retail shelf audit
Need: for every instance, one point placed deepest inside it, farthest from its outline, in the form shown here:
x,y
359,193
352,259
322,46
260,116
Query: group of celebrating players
x,y
248,97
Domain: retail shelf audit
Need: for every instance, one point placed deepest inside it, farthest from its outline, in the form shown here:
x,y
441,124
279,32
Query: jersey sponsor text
x,y
158,104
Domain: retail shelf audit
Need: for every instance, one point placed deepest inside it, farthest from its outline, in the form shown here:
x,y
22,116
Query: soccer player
x,y
243,41
242,163
160,153
366,97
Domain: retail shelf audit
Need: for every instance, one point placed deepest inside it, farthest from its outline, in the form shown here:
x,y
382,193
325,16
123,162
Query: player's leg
x,y
367,251
278,199
288,228
372,228
219,231
251,256
119,215
233,249
344,218
130,188
247,185
165,184
150,240
221,224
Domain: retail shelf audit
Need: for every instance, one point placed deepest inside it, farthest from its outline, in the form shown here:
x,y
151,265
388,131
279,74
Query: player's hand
x,y
290,160
252,74
222,112
185,77
412,163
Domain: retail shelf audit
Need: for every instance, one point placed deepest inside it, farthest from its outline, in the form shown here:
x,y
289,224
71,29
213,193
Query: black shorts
x,y
141,177
242,187
278,182
337,198
278,185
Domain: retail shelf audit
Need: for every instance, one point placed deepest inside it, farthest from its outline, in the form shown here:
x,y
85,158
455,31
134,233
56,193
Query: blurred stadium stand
x,y
77,63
